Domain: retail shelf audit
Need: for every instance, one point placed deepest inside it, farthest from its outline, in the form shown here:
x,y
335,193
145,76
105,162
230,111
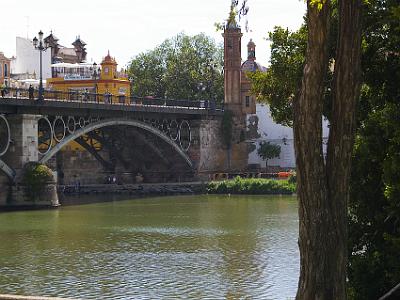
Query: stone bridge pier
x,y
19,138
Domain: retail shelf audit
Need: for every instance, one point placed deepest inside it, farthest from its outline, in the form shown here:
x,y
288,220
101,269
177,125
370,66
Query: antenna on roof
x,y
27,27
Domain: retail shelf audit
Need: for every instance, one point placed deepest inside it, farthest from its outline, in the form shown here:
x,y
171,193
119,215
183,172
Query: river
x,y
181,247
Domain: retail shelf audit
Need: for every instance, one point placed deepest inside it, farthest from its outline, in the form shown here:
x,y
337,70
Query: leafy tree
x,y
267,151
375,190
183,67
279,85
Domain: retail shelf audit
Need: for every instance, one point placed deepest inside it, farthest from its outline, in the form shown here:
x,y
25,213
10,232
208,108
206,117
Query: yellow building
x,y
4,70
77,80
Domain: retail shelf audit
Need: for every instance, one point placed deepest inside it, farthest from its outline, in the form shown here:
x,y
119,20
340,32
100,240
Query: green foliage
x,y
35,178
183,67
251,186
375,189
280,84
266,151
318,3
227,128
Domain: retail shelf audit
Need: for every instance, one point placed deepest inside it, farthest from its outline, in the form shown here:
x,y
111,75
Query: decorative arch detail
x,y
114,122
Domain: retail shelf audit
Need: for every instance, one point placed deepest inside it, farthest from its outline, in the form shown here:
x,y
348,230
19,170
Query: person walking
x,y
30,91
3,90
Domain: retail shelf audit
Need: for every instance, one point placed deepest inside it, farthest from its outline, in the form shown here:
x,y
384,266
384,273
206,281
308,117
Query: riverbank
x,y
252,186
238,185
144,189
85,194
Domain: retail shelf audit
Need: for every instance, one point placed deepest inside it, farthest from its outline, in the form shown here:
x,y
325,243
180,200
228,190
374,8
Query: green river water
x,y
181,247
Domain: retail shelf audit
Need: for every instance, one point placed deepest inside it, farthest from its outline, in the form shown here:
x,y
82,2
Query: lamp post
x,y
131,82
41,45
95,75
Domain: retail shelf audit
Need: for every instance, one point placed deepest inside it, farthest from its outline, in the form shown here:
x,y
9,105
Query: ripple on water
x,y
243,248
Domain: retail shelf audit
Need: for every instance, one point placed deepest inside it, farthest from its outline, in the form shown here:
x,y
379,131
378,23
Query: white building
x,y
260,125
27,60
277,134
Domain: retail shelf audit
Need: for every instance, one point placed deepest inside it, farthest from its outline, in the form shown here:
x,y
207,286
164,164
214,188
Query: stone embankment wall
x,y
147,189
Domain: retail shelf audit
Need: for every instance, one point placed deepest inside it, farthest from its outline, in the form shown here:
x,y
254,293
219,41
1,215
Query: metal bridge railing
x,y
110,99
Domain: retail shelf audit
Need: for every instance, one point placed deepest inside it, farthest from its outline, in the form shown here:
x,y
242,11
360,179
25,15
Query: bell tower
x,y
236,158
108,67
232,63
251,51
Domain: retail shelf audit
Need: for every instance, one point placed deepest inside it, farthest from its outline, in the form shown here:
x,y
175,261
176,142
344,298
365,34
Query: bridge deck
x,y
52,106
18,102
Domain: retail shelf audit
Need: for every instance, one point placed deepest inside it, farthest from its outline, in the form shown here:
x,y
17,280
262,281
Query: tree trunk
x,y
323,190
346,92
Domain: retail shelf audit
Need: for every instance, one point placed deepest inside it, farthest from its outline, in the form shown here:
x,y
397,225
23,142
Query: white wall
x,y
27,59
279,135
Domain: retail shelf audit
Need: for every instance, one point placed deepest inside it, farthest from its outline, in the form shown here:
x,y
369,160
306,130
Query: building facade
x,y
259,124
5,70
70,78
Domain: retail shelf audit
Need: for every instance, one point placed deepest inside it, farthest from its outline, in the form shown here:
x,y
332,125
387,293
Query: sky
x,y
129,27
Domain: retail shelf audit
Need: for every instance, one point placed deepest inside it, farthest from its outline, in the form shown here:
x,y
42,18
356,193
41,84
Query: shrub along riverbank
x,y
252,186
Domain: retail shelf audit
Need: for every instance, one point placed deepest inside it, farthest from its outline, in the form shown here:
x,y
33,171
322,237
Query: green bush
x,y
256,186
35,178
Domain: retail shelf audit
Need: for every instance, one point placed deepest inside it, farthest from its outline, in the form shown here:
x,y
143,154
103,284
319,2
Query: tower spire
x,y
232,61
251,50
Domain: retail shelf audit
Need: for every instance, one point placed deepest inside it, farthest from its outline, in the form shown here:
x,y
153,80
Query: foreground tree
x,y
323,186
183,67
323,189
374,237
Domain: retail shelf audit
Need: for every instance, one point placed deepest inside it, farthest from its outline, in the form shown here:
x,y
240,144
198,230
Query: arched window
x,y
5,70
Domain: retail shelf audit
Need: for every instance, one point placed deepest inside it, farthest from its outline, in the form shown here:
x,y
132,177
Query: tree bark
x,y
323,189
346,92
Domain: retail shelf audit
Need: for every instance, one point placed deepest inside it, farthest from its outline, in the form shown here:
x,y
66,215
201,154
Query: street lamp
x,y
95,75
131,82
41,45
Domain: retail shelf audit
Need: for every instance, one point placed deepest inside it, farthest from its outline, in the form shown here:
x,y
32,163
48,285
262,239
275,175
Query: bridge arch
x,y
115,122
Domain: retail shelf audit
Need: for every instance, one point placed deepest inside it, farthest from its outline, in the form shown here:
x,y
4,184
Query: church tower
x,y
237,150
232,64
108,67
251,51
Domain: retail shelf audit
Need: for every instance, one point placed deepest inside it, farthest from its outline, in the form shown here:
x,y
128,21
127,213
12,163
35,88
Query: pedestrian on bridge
x,y
30,91
3,90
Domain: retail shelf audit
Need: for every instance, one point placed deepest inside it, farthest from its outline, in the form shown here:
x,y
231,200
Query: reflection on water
x,y
187,247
